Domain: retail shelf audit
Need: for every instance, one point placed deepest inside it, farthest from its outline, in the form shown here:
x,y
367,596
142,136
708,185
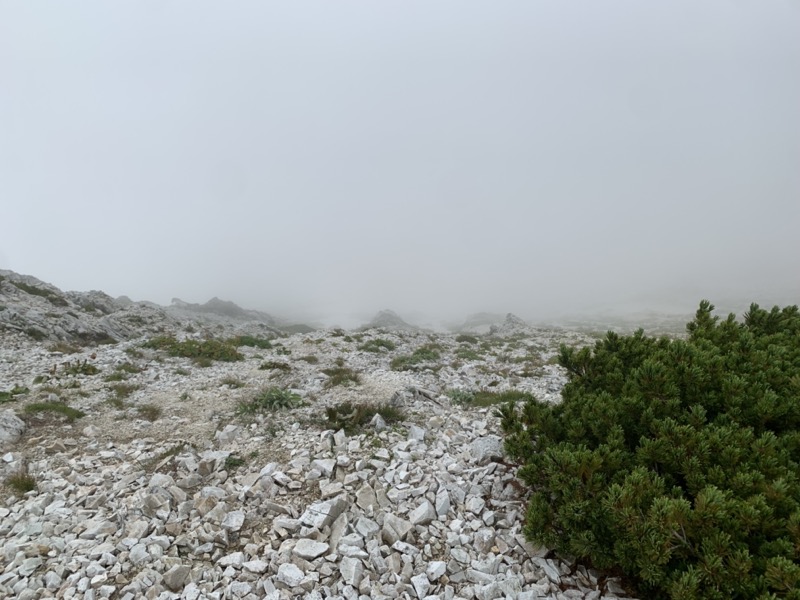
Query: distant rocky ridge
x,y
388,319
226,308
44,312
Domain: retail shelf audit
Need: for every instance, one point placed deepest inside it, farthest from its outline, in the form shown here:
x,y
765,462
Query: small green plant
x,y
461,396
232,382
64,348
80,368
468,354
134,352
117,376
151,412
208,350
15,391
251,341
55,407
423,354
36,334
354,417
310,359
52,297
463,338
21,481
275,365
120,392
340,375
377,345
128,367
182,371
269,399
202,361
233,462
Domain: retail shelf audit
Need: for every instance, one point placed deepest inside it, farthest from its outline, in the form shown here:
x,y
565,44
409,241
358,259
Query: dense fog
x,y
325,160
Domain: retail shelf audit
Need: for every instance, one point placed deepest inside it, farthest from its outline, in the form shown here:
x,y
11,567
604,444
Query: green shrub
x,y
310,359
151,412
468,354
21,481
377,345
269,399
340,375
200,351
676,461
427,353
250,341
466,339
353,417
276,365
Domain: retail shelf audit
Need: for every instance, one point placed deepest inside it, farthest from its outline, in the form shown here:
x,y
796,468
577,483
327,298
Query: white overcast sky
x,y
531,156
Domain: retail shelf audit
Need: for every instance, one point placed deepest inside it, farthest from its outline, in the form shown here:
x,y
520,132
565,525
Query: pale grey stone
x,y
435,570
324,513
175,577
11,428
421,585
234,520
310,549
485,449
290,575
423,514
365,497
352,570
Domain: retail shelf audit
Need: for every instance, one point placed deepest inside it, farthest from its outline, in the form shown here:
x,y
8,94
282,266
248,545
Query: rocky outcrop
x,y
512,325
225,308
45,313
390,320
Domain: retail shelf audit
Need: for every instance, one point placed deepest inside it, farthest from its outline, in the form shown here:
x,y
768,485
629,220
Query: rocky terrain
x,y
159,475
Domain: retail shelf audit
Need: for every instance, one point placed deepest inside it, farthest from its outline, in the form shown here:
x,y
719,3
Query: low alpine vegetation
x,y
377,345
55,407
251,341
354,417
206,350
13,393
424,354
21,481
675,461
340,375
269,399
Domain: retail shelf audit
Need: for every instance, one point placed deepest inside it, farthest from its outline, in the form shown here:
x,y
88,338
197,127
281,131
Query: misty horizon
x,y
433,159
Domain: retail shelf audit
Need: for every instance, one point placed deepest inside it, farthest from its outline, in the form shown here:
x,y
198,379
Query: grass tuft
x,y
55,407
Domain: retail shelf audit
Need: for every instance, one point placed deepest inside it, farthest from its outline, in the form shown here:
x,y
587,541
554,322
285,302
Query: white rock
x,y
310,549
290,575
